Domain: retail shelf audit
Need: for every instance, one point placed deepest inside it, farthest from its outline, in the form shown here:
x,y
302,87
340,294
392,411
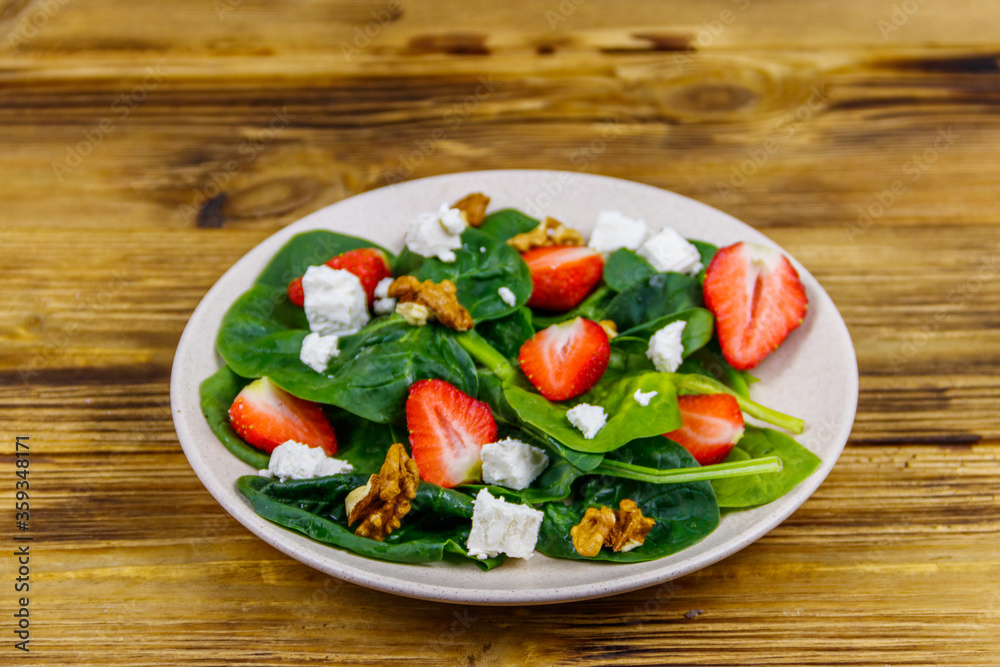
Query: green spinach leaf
x,y
436,526
218,393
657,296
684,513
752,490
509,333
309,249
627,419
624,268
507,224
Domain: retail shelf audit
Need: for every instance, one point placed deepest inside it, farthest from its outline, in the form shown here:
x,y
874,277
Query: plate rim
x,y
278,537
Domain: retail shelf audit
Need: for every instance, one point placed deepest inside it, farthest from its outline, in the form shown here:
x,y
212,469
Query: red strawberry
x,y
265,415
566,359
757,299
368,264
448,428
713,424
562,275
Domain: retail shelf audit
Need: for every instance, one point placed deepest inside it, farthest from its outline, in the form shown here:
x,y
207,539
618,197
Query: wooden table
x,y
147,146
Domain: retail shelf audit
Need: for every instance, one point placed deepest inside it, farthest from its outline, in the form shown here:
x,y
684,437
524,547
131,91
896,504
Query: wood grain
x,y
146,148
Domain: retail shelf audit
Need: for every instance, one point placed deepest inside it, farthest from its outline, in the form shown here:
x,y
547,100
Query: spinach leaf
x,y
751,490
684,513
509,333
657,296
360,442
710,362
627,420
624,268
369,378
507,224
218,393
697,332
427,535
481,267
309,249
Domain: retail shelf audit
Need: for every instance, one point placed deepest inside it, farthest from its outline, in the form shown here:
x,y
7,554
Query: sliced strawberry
x,y
562,276
265,415
566,359
448,428
757,299
368,264
713,424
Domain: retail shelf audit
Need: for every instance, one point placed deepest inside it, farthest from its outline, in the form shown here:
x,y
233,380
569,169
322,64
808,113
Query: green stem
x,y
486,355
717,471
701,384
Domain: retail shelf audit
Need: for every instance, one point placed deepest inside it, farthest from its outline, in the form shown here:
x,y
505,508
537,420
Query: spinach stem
x,y
718,471
705,385
487,356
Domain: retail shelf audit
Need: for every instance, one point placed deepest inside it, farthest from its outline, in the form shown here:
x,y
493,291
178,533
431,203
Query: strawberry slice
x,y
448,428
713,424
368,264
757,299
566,359
265,415
562,276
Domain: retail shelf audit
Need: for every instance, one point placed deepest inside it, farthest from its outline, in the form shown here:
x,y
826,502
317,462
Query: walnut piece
x,y
590,534
415,314
630,529
441,298
551,232
622,530
610,328
474,208
385,499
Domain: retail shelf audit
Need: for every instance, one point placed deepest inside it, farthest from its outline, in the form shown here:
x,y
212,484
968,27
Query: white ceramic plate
x,y
813,375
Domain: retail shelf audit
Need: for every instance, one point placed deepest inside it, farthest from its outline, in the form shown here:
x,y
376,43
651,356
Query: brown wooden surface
x,y
894,561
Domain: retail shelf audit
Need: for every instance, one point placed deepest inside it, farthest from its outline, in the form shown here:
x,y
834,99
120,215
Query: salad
x,y
503,387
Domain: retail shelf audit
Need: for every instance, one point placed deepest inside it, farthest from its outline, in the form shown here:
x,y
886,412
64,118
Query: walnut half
x,y
473,207
622,530
385,499
551,232
441,298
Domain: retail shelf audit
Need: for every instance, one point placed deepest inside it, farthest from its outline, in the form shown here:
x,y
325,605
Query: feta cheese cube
x,y
293,460
666,349
437,234
644,397
615,230
669,251
335,301
589,419
507,296
501,527
317,350
512,463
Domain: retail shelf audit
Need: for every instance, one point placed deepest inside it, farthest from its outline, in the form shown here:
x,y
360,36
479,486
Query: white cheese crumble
x,y
507,296
317,350
437,234
384,306
644,397
669,251
615,230
589,419
501,527
335,302
382,289
415,314
666,349
512,463
293,460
